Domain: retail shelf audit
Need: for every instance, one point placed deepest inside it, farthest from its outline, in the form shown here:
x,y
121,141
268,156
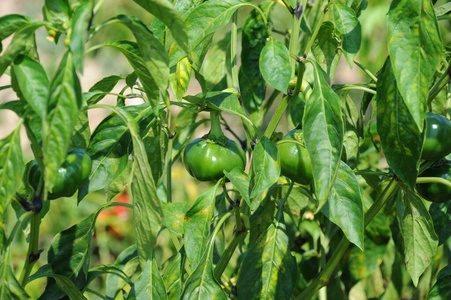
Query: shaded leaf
x,y
275,66
127,261
10,287
441,290
349,29
99,90
325,49
441,217
149,284
174,217
240,181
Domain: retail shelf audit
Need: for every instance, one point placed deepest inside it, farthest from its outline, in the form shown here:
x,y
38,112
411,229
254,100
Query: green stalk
x,y
215,131
33,249
355,88
323,277
433,180
438,86
364,69
233,55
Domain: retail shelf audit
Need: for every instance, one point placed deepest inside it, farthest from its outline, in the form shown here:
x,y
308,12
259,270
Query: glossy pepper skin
x,y
295,161
206,159
75,169
437,137
436,192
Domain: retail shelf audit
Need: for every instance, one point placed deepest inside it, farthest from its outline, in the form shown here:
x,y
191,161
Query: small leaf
x,y
197,226
420,239
10,23
180,78
56,11
323,130
240,181
268,270
441,290
149,284
81,19
349,29
266,167
325,47
99,90
415,48
275,66
400,138
344,206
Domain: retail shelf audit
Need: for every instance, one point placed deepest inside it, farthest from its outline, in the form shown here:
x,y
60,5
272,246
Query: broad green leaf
x,y
10,287
441,290
266,167
203,21
149,284
169,15
216,64
253,39
81,19
132,53
23,42
349,29
202,284
415,48
9,24
274,63
64,284
323,130
153,53
420,239
109,149
127,261
12,167
325,49
268,270
197,226
33,84
155,141
400,138
298,199
240,181
56,11
180,78
174,217
99,90
63,103
173,277
442,9
441,217
344,206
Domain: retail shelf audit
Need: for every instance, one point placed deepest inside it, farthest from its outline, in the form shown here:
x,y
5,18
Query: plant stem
x,y
323,277
439,85
355,88
33,249
216,131
364,69
315,32
433,180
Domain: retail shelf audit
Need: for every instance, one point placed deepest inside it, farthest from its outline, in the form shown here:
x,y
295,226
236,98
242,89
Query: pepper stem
x,y
216,133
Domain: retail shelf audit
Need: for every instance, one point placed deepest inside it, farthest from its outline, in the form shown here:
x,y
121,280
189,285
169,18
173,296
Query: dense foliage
x,y
305,185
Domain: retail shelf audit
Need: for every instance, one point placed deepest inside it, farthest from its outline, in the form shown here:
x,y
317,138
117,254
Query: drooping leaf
x,y
349,29
197,226
12,167
33,83
324,49
275,66
80,28
400,137
415,48
99,90
169,15
269,270
323,130
441,290
344,206
420,240
266,167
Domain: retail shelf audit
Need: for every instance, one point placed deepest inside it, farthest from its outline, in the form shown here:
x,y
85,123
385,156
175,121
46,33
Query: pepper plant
x,y
330,211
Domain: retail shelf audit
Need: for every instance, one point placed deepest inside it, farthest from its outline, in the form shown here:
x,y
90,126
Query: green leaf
x,y
153,53
99,90
173,278
197,226
215,67
81,19
325,49
441,217
252,84
441,290
180,78
10,23
12,168
109,149
174,217
268,270
149,284
344,206
202,284
266,167
10,287
323,130
420,239
63,104
203,21
23,42
349,29
127,261
400,138
56,11
415,48
33,84
132,53
155,142
442,9
165,11
275,66
240,181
